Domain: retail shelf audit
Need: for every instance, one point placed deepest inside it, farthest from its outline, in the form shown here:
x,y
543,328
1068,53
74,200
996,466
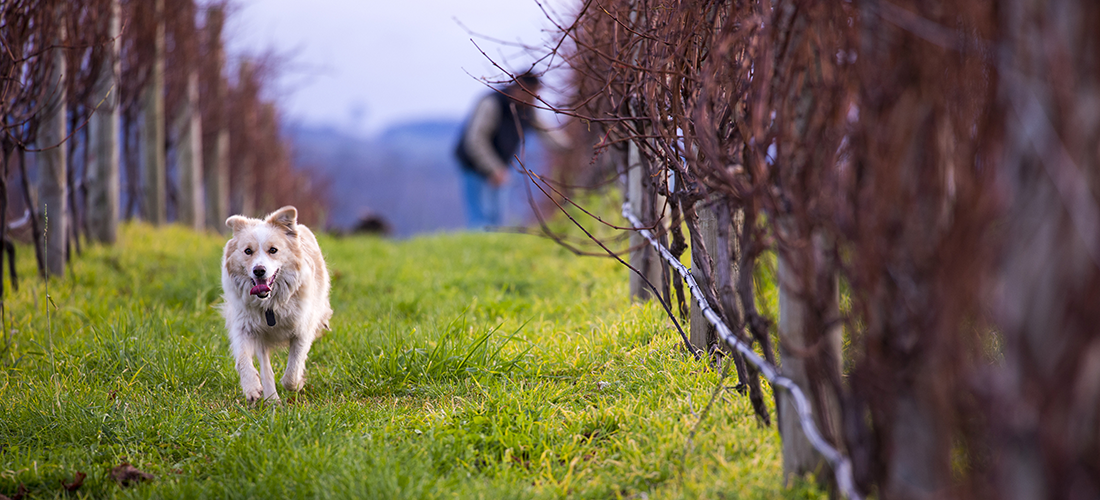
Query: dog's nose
x,y
259,271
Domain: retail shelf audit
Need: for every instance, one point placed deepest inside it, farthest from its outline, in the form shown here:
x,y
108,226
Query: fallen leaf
x,y
126,475
20,493
77,482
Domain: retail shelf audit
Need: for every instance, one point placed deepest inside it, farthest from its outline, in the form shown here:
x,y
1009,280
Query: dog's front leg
x,y
294,377
243,350
267,374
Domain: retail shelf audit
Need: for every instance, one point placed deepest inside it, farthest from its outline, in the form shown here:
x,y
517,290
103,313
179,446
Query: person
x,y
490,139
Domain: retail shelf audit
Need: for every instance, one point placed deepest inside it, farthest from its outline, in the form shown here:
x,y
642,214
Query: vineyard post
x,y
188,152
53,180
702,334
795,341
103,129
643,202
154,181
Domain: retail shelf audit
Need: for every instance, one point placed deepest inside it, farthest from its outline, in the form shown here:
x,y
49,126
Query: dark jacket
x,y
503,136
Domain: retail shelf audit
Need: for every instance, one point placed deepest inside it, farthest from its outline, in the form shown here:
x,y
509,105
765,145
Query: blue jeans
x,y
484,201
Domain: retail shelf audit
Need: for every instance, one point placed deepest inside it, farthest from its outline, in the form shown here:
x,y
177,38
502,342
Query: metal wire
x,y
842,467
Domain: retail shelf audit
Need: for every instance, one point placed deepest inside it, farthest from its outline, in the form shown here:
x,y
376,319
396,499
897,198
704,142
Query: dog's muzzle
x,y
262,282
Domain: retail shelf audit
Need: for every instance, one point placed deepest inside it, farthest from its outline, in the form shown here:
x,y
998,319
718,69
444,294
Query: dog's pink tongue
x,y
258,289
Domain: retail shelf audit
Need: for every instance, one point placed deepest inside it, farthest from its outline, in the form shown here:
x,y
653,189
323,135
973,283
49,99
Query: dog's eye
x,y
272,250
248,251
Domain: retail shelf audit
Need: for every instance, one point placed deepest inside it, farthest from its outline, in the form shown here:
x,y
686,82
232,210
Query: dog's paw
x,y
253,390
259,399
293,385
254,396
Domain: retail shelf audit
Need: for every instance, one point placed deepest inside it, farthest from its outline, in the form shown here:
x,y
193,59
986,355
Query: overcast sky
x,y
367,64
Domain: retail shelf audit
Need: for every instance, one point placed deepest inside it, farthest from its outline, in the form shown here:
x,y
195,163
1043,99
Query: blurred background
x,y
348,110
374,94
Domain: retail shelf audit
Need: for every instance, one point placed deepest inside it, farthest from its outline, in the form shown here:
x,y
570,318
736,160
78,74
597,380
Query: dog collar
x,y
270,317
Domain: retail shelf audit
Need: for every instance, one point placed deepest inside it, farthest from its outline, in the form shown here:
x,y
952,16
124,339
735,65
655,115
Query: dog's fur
x,y
275,265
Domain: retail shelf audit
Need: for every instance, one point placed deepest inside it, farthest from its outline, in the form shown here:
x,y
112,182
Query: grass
x,y
459,366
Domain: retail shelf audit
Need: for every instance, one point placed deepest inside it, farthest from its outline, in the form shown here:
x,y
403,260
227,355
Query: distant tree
x,y
76,76
213,96
182,99
154,203
31,94
102,177
244,104
51,155
263,176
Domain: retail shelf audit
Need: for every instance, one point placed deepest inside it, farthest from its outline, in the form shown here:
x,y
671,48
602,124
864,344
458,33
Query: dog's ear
x,y
236,223
286,218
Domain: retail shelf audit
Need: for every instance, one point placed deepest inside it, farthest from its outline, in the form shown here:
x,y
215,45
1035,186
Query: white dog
x,y
276,287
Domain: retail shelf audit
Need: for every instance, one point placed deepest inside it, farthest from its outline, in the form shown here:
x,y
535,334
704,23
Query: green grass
x,y
458,366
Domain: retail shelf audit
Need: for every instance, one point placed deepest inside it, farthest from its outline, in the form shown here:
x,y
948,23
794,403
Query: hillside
x,y
458,366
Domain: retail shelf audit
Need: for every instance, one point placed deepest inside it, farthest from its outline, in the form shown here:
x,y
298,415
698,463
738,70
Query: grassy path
x,y
459,366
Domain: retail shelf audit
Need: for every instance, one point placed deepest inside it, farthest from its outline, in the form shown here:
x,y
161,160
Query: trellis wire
x,y
842,467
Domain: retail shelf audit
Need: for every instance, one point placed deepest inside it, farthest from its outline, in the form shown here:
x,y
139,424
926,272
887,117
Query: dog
x,y
275,290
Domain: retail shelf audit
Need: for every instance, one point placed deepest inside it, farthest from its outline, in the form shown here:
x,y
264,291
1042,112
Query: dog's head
x,y
262,255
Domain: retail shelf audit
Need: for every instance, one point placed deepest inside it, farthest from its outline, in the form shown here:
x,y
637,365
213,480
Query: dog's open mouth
x,y
262,286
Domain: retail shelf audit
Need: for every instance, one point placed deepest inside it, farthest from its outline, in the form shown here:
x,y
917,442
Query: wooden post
x,y
216,142
103,130
154,177
644,203
703,334
799,457
52,165
188,150
216,180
